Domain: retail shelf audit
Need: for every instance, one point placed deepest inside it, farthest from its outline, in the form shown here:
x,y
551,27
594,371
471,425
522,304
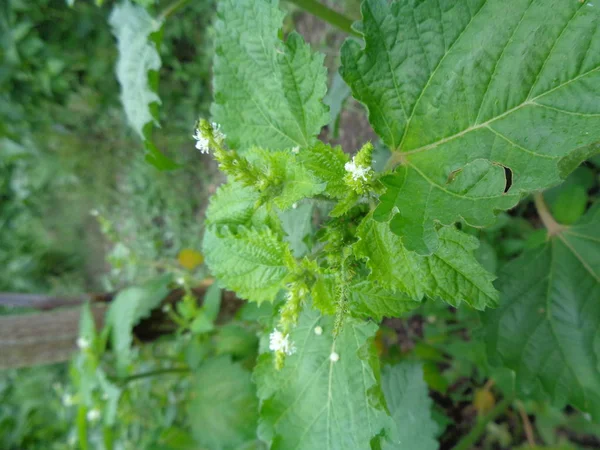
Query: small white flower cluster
x,y
278,342
83,343
203,141
93,415
357,171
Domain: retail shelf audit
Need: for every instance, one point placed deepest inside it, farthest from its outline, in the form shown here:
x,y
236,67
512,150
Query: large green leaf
x,y
316,403
407,399
546,328
223,410
127,309
461,88
136,32
253,262
451,273
366,299
267,93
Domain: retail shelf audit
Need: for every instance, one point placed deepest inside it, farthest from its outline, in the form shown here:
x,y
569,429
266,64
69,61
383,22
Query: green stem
x,y
154,373
327,14
467,442
171,9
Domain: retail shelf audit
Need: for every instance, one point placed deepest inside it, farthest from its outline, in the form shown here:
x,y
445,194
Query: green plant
x,y
486,115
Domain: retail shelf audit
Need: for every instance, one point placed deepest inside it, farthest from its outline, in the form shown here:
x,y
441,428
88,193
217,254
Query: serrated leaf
x,y
232,204
127,309
138,59
527,97
367,300
267,93
315,403
297,225
223,410
251,262
546,328
409,404
451,274
327,164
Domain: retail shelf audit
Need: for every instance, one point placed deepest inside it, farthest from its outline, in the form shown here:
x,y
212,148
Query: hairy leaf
x,y
369,300
252,262
546,328
267,93
297,225
316,403
223,409
407,399
232,204
327,164
138,62
451,274
127,309
527,98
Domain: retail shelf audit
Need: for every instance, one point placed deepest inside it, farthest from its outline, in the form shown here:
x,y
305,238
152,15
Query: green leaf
x,y
297,225
315,403
365,299
409,404
546,328
252,262
294,180
223,410
335,99
232,204
267,93
527,98
127,309
327,164
451,274
137,40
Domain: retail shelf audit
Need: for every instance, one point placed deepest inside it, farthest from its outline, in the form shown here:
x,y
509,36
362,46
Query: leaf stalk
x,y
327,14
549,222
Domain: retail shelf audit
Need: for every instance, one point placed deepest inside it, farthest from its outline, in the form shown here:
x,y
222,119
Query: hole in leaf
x,y
508,175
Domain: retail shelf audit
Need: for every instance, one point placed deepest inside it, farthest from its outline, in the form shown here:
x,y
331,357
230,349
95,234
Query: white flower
x,y
180,281
296,149
334,357
357,171
318,330
94,213
166,308
68,400
295,205
93,415
202,143
278,342
217,133
83,343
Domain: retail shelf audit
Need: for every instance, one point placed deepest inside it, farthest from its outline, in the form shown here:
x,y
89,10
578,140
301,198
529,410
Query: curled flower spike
x,y
278,342
357,170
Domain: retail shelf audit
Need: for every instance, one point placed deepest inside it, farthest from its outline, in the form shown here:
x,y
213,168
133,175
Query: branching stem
x,y
551,225
327,14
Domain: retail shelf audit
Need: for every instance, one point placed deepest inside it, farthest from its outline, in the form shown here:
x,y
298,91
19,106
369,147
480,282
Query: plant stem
x,y
526,425
154,373
172,8
467,442
327,14
551,225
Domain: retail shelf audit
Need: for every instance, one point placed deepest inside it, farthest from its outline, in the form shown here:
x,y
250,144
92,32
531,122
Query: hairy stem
x,y
551,225
172,8
327,14
467,442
